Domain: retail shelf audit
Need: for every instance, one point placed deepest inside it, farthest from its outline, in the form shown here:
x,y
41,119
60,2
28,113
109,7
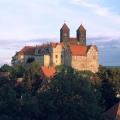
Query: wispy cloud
x,y
5,61
19,44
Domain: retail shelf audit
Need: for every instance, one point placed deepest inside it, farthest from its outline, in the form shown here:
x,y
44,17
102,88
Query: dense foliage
x,y
68,97
60,68
5,68
31,79
70,94
107,80
16,71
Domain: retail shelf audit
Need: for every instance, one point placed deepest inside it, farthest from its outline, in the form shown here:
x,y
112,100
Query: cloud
x,y
19,44
5,61
103,11
101,46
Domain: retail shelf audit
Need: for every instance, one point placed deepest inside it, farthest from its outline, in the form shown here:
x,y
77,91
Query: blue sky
x,y
31,22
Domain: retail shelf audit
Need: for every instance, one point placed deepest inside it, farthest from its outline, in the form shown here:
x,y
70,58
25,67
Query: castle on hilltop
x,y
69,52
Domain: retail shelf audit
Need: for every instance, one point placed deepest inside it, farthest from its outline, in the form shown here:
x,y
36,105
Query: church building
x,y
67,40
69,52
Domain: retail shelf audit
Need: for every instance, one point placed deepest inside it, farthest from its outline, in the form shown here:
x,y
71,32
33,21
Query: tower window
x,y
65,34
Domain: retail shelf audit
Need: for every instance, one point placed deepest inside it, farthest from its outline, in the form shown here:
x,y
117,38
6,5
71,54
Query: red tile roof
x,y
48,71
64,27
81,28
114,112
39,47
27,50
46,46
61,44
78,50
73,39
55,44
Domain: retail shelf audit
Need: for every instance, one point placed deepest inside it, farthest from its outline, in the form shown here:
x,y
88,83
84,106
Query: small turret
x,y
36,50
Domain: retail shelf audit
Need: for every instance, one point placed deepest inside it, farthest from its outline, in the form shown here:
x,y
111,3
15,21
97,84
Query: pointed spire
x,y
65,27
81,28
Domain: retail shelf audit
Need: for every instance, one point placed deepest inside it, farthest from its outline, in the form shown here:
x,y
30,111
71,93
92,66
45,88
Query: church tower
x,y
81,35
64,34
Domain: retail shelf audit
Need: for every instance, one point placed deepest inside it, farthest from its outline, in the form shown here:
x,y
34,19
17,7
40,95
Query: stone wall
x,y
88,62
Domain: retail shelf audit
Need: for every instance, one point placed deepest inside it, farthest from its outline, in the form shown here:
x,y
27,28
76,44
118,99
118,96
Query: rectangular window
x,y
61,56
56,56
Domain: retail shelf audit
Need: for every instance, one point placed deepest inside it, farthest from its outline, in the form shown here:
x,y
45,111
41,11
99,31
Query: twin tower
x,y
67,40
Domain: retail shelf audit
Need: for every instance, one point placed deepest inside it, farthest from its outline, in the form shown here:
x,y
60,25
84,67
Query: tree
x,y
31,77
107,81
60,68
8,103
5,68
84,73
68,96
17,70
3,81
6,81
29,107
20,89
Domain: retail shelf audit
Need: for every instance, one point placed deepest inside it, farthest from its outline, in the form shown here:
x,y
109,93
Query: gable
x,y
48,71
92,49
